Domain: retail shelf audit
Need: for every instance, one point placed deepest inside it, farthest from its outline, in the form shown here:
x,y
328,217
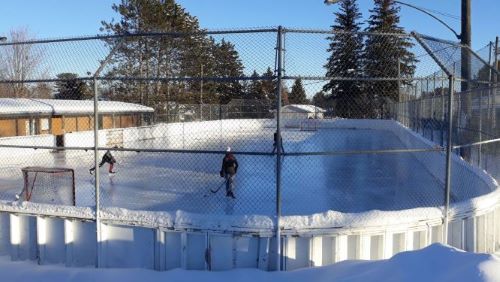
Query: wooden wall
x,y
7,127
84,123
107,121
69,124
21,127
58,125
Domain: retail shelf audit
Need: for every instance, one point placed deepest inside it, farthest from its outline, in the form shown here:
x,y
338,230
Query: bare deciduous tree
x,y
19,62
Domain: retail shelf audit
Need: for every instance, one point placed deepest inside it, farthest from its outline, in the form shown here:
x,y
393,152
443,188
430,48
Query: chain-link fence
x,y
317,120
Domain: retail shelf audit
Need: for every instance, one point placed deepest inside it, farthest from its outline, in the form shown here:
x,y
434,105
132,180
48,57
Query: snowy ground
x,y
434,263
311,184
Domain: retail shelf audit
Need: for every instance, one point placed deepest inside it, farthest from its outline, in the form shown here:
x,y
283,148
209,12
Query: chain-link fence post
x,y
491,61
96,147
279,50
495,81
449,146
443,111
97,173
399,90
480,127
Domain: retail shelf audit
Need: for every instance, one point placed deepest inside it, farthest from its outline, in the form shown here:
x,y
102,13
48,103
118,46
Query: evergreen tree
x,y
346,49
298,94
322,100
70,88
191,55
383,54
228,65
269,86
285,94
254,89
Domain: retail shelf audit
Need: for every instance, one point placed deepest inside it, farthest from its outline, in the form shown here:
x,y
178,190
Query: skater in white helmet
x,y
228,170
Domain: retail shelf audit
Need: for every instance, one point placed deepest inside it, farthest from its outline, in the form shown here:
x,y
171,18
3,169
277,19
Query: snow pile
x,y
374,218
24,207
141,218
9,106
434,263
475,205
186,220
255,223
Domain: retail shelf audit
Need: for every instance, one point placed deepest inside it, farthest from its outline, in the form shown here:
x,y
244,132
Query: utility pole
x,y
495,59
465,69
201,92
465,39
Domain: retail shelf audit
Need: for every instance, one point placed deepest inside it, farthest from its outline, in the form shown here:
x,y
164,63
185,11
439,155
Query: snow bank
x,y
141,218
10,106
24,207
365,220
249,223
35,140
434,263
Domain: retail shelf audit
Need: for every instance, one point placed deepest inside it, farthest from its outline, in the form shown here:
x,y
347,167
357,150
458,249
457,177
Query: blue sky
x,y
56,18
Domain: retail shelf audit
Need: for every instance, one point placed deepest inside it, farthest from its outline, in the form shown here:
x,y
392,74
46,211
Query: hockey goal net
x,y
309,125
49,185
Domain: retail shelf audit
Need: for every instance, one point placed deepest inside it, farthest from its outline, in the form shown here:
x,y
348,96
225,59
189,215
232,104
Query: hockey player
x,y
107,158
275,144
228,170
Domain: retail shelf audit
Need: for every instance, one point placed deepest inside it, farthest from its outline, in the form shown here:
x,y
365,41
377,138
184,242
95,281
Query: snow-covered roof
x,y
303,108
22,106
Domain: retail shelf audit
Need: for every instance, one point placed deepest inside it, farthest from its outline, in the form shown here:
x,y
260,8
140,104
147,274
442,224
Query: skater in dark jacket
x,y
107,158
275,144
228,170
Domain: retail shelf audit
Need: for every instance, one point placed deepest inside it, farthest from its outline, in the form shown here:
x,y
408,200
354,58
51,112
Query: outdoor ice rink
x,y
160,181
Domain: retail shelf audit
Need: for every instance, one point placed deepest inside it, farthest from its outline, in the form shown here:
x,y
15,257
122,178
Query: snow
x,y
303,108
47,209
142,218
22,106
434,263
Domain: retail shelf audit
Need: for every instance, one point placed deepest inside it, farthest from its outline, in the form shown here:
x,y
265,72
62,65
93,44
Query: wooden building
x,y
21,117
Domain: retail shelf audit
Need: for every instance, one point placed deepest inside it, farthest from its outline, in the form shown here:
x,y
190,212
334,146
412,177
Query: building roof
x,y
33,107
303,108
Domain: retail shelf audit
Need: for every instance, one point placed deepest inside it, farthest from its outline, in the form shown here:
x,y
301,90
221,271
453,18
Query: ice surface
x,y
317,191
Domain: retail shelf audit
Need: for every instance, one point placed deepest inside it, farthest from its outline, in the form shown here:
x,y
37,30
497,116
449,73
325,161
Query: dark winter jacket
x,y
108,158
229,165
275,136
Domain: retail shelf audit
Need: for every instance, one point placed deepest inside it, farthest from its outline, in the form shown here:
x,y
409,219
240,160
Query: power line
x,y
436,12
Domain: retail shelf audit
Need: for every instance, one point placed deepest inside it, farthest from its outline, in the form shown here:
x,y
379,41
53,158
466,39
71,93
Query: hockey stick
x,y
218,188
214,190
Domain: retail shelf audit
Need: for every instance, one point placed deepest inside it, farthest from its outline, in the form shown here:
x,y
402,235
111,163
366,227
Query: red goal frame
x,y
27,191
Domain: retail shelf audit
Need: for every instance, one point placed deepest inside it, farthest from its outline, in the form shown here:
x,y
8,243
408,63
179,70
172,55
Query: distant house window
x,y
44,124
30,126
